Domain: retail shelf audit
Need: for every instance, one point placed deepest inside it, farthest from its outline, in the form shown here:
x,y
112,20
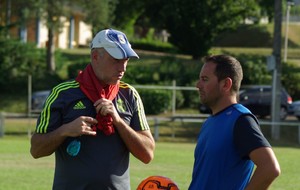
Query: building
x,y
74,32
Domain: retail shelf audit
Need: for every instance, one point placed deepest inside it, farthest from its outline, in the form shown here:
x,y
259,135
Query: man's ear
x,y
94,55
227,84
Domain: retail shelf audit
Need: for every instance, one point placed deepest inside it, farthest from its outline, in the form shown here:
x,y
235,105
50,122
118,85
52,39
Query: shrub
x,y
142,74
254,68
245,36
154,46
73,69
18,60
155,101
290,80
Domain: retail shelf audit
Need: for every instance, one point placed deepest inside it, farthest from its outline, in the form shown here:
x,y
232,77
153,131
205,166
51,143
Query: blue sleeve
x,y
248,136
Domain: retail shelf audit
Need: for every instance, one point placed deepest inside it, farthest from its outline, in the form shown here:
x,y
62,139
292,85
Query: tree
x,y
50,12
17,61
99,14
194,24
267,7
55,12
22,10
127,13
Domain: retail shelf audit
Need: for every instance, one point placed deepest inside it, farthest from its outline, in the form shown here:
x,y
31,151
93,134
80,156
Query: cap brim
x,y
123,53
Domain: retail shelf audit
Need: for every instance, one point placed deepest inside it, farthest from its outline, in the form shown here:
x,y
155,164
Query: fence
x,y
174,88
157,121
198,118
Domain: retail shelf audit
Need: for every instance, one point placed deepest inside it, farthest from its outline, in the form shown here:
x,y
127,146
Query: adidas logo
x,y
79,106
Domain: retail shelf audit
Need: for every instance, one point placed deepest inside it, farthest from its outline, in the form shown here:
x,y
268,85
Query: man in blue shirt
x,y
230,142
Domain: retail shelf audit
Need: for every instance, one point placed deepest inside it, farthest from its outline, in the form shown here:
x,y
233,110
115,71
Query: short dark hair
x,y
227,66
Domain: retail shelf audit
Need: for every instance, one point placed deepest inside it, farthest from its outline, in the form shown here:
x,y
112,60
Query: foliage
x,y
155,101
45,81
290,79
25,10
171,69
260,33
255,69
141,74
255,72
267,8
153,45
179,99
168,69
18,60
74,68
194,24
126,14
99,14
184,73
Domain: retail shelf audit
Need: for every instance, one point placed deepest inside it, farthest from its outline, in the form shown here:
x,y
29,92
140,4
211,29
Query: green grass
x,y
19,171
290,178
173,157
174,160
13,103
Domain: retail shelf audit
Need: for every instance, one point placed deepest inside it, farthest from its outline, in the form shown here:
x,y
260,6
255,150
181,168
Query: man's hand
x,y
80,126
106,107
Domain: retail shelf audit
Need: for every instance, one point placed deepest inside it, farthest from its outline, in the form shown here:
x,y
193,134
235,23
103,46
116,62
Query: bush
x,y
254,68
154,46
18,60
245,36
141,74
155,101
45,81
74,69
290,80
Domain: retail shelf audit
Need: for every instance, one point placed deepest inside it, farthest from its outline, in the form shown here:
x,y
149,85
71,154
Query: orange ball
x,y
157,183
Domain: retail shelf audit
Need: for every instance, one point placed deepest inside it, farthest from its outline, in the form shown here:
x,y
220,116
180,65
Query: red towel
x,y
94,90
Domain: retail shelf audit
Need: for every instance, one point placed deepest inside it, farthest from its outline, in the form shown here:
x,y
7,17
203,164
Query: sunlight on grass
x,y
173,160
19,171
288,160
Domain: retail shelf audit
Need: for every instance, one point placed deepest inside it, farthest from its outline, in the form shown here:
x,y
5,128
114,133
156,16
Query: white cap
x,y
115,43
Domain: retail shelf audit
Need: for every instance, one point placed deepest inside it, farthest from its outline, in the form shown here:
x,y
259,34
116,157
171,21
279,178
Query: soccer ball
x,y
157,183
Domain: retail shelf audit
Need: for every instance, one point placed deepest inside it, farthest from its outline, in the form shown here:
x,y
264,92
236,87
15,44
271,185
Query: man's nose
x,y
198,84
122,65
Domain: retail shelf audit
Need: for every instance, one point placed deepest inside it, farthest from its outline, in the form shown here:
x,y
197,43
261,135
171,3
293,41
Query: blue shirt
x,y
220,161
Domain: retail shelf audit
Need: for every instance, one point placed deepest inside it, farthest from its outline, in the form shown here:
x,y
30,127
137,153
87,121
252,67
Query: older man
x,y
94,122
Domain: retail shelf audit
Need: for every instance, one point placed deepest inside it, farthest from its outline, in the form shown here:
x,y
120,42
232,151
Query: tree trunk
x,y
50,52
8,17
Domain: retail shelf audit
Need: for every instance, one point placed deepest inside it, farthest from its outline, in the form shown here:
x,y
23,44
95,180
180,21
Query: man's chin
x,y
202,101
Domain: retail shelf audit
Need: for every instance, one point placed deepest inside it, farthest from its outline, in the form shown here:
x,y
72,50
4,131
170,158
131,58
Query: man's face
x,y
108,69
208,85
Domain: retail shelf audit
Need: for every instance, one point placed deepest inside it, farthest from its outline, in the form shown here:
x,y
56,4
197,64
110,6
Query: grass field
x,y
173,158
19,171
